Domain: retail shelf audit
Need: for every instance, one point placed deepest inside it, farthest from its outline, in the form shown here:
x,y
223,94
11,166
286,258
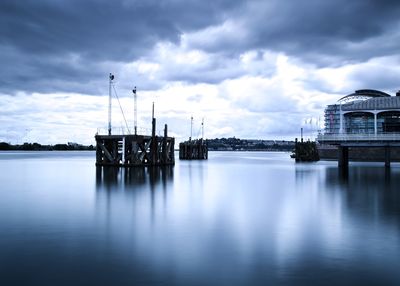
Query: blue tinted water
x,y
240,218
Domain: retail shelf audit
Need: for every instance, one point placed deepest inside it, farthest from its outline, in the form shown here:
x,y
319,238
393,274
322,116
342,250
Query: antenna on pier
x,y
191,128
202,129
109,103
152,112
135,109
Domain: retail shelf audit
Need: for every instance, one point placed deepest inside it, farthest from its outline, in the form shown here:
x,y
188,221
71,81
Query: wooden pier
x,y
346,142
305,151
193,150
135,150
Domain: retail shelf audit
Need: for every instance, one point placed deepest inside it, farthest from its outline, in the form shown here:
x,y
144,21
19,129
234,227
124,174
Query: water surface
x,y
240,218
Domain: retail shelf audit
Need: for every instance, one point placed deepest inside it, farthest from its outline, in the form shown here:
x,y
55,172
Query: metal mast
x,y
109,104
191,127
202,129
135,109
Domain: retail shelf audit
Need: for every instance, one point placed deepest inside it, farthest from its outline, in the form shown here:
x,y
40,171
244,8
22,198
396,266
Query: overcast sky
x,y
252,69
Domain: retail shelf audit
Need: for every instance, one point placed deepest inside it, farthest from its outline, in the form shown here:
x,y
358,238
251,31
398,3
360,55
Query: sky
x,y
259,69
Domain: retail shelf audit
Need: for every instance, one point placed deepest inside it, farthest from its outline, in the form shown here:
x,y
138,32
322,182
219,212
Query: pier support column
x,y
387,156
343,160
153,150
164,145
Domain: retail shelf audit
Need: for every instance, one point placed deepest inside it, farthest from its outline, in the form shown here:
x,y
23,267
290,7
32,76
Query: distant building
x,y
365,111
74,145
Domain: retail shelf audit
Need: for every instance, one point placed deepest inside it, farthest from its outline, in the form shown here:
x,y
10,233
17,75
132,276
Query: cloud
x,y
325,32
72,41
51,46
250,68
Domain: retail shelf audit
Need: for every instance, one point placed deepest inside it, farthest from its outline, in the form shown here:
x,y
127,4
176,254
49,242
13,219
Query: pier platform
x,y
193,150
345,142
135,150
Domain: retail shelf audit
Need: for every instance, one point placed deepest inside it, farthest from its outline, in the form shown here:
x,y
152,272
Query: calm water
x,y
236,219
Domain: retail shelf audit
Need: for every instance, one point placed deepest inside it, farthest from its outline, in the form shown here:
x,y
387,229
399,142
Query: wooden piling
x,y
193,150
135,150
305,151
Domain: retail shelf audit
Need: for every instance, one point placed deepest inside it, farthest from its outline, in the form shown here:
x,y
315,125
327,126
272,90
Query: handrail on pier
x,y
359,137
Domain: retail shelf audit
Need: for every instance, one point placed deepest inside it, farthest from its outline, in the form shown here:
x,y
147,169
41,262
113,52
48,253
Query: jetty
x,y
365,122
346,142
128,150
135,150
305,151
194,149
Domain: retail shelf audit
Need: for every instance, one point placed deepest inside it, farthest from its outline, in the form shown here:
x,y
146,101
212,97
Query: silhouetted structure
x,y
305,151
364,119
135,150
193,150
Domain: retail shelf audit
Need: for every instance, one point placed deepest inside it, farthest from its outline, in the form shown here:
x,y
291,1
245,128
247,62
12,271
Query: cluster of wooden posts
x,y
305,151
135,150
193,150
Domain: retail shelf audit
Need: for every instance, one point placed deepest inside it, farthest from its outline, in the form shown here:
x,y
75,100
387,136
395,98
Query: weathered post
x,y
343,160
387,156
164,146
153,143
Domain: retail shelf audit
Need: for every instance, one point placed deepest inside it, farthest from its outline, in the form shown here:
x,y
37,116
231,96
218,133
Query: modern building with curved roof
x,y
365,111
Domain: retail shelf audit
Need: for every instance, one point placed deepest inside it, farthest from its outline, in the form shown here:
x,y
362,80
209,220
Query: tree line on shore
x,y
217,144
236,144
4,146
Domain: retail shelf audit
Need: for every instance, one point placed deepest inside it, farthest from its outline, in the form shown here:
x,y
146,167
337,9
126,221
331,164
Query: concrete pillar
x,y
387,156
343,160
375,124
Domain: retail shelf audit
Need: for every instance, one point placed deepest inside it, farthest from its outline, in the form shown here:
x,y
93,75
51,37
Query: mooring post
x,y
164,147
99,153
387,156
153,143
172,150
343,160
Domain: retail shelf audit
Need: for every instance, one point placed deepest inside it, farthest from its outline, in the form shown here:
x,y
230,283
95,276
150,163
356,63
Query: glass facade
x,y
332,119
365,111
361,122
389,122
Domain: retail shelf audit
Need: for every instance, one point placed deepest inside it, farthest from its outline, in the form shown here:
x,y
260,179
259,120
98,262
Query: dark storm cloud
x,y
381,78
43,41
324,31
54,45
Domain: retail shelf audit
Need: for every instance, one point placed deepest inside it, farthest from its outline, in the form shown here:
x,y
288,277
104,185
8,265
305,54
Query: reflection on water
x,y
236,219
114,177
136,179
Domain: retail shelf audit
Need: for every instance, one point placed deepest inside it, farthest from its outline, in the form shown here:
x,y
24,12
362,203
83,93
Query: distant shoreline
x,y
236,144
217,144
38,147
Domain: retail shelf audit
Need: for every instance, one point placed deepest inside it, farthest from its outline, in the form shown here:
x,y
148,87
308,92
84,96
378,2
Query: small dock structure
x,y
305,151
344,142
135,150
193,150
129,150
